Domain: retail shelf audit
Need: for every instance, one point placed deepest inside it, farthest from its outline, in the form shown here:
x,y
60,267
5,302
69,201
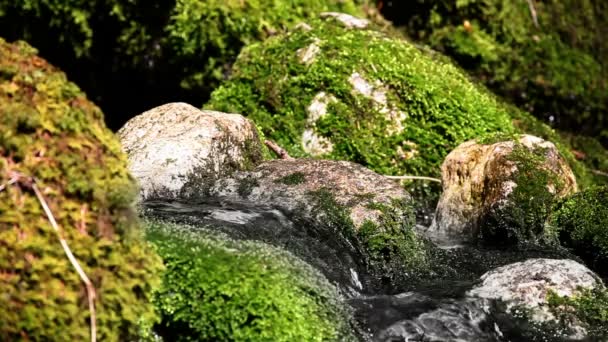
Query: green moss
x,y
582,223
246,186
587,306
292,179
442,107
554,69
493,138
592,155
216,289
392,240
521,219
50,131
390,245
174,48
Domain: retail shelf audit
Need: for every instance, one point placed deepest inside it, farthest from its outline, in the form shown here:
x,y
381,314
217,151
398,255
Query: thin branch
x,y
415,177
533,12
10,182
599,173
31,182
278,150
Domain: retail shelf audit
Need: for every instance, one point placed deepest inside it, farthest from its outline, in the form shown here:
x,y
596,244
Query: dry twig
x,y
278,150
533,12
31,182
599,173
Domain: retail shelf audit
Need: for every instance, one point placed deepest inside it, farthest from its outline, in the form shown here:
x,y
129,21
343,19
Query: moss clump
x,y
172,48
587,306
216,289
521,217
292,179
582,223
554,69
390,245
429,106
49,130
392,241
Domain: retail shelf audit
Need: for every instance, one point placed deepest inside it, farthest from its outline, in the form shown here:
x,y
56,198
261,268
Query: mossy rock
x,y
50,131
218,289
355,94
499,190
548,57
582,223
166,49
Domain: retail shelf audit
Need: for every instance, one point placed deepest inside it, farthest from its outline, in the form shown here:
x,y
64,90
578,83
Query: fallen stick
x,y
278,150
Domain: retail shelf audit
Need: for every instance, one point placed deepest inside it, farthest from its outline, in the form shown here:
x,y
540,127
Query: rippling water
x,y
431,308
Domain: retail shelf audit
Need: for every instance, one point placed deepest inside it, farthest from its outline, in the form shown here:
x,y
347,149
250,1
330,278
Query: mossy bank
x,y
50,131
216,288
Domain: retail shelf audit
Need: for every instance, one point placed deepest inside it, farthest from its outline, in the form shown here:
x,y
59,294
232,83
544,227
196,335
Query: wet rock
x,y
500,190
528,284
353,224
175,145
292,185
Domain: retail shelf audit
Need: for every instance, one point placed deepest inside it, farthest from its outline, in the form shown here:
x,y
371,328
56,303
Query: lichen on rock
x,y
50,131
175,148
532,284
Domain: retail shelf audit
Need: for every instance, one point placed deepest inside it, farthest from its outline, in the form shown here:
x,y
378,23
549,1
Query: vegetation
x,y
425,107
390,246
522,219
587,306
582,223
216,289
548,57
171,48
50,131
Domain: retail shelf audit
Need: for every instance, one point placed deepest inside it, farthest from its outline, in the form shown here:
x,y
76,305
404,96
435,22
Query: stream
x,y
428,307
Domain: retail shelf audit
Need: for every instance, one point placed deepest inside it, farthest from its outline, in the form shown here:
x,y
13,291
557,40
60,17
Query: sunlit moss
x,y
50,131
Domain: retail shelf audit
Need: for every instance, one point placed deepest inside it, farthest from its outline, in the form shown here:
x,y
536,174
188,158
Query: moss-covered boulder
x,y
217,289
582,223
50,131
500,189
175,149
349,92
549,57
349,222
166,49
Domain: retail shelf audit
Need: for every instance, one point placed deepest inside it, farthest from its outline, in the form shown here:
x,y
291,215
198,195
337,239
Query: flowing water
x,y
428,307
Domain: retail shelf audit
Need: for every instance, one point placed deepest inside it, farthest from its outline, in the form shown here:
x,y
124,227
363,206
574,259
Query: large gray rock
x,y
528,284
175,145
500,190
291,185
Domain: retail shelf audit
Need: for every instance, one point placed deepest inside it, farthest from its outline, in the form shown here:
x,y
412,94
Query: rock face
x,y
500,190
529,283
330,213
50,131
176,144
289,184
